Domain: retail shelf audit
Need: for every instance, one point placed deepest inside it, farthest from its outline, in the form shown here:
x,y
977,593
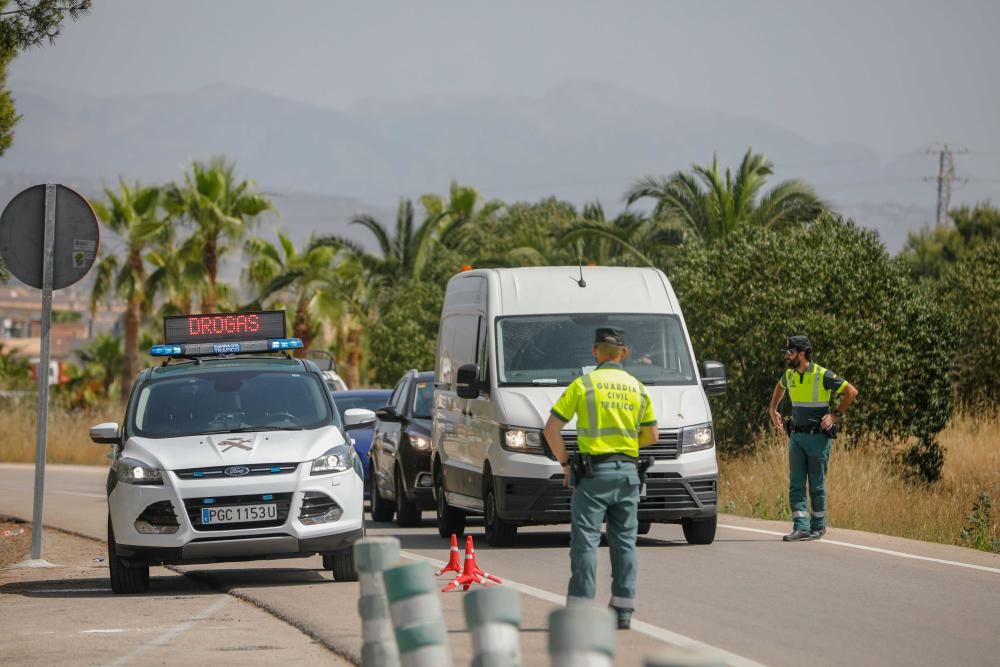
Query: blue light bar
x,y
286,344
166,350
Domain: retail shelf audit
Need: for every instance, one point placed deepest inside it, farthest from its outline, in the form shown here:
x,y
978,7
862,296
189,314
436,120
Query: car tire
x,y
499,533
701,531
408,515
644,527
382,509
125,578
341,564
450,520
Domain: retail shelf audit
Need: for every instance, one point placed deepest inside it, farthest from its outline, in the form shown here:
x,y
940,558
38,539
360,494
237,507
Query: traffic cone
x,y
469,574
453,563
484,576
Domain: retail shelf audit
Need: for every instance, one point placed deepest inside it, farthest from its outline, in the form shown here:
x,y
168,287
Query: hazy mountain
x,y
579,141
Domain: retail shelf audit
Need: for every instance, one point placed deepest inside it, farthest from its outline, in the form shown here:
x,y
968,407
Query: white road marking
x,y
69,590
888,552
181,627
102,496
655,632
106,631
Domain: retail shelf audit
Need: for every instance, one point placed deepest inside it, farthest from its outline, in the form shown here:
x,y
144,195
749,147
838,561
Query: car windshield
x,y
423,399
368,402
227,401
555,349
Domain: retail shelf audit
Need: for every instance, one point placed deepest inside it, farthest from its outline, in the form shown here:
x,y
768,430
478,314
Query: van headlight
x,y
526,441
131,471
421,443
698,437
337,459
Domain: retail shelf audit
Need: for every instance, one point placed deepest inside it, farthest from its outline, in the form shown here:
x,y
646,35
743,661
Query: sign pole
x,y
43,369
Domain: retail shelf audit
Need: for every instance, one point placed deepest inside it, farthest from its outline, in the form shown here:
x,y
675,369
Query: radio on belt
x,y
224,333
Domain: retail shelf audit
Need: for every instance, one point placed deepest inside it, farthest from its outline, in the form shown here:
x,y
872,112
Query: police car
x,y
231,450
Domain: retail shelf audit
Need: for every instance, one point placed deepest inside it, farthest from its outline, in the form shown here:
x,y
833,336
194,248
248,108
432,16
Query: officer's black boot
x,y
624,617
818,533
798,535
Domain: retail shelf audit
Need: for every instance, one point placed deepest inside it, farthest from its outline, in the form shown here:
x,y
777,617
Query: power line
x,y
945,178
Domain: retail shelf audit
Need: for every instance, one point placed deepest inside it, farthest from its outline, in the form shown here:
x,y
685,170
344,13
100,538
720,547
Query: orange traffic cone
x,y
471,572
453,563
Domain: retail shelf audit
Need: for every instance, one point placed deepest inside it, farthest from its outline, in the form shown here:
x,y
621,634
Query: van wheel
x,y
407,513
341,564
644,527
499,533
382,510
449,519
701,531
125,578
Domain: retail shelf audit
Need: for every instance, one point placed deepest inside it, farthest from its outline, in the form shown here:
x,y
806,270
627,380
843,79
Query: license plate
x,y
239,514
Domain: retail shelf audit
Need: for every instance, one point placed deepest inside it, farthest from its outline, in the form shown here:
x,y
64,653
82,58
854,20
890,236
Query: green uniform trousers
x,y
611,494
808,457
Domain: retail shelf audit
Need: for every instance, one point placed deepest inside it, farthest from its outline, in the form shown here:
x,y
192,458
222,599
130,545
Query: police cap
x,y
610,335
798,343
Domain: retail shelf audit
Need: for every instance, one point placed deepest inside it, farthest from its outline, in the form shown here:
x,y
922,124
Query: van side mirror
x,y
105,434
713,378
467,381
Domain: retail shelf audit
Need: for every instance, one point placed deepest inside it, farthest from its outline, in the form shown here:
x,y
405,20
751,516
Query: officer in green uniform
x,y
614,418
811,389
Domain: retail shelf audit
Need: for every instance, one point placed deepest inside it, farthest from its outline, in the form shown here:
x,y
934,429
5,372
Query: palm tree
x,y
221,210
133,213
306,277
710,206
100,361
615,242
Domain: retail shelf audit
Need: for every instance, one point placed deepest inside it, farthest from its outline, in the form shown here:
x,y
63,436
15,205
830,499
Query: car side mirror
x,y
105,434
387,414
467,381
713,378
355,418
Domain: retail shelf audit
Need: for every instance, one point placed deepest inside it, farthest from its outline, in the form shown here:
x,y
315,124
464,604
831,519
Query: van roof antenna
x,y
581,282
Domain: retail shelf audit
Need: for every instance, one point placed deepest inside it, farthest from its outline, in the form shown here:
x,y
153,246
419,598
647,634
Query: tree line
x,y
751,264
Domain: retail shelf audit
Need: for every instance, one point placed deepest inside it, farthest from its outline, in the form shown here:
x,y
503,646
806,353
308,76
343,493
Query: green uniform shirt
x,y
610,405
811,392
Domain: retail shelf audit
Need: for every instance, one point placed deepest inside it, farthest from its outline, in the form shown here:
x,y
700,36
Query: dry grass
x,y
865,492
68,438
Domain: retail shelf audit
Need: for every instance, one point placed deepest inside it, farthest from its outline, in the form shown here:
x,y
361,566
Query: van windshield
x,y
555,349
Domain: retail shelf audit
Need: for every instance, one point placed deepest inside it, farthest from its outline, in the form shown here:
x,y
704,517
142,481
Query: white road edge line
x,y
660,634
888,552
181,627
102,496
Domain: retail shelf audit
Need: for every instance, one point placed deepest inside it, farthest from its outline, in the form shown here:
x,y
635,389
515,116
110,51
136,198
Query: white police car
x,y
231,450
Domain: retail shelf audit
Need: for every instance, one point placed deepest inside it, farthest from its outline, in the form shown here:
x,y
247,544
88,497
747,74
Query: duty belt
x,y
806,429
606,458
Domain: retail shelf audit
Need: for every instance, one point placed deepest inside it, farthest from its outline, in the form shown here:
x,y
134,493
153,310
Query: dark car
x,y
400,463
369,399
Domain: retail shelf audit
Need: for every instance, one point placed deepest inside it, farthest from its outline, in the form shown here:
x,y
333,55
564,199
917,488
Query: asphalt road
x,y
852,598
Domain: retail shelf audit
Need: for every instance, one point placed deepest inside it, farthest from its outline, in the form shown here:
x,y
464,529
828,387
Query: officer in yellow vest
x,y
811,389
614,418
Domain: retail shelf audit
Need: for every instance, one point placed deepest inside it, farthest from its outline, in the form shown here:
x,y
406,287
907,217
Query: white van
x,y
509,343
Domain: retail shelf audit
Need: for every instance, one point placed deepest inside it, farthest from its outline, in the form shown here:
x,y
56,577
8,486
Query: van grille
x,y
666,447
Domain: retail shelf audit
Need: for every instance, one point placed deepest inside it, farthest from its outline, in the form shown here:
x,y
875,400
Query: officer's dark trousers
x,y
808,457
612,494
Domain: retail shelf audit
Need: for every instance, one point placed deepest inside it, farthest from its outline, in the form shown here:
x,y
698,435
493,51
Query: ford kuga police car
x,y
230,450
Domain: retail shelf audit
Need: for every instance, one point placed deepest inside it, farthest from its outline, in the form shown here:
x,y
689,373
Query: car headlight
x,y
526,441
695,438
337,459
131,471
421,443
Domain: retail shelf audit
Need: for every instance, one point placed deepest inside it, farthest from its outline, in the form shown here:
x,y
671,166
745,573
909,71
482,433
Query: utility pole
x,y
945,178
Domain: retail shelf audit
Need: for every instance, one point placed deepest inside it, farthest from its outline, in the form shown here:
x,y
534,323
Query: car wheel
x,y
125,578
449,519
382,509
644,527
341,564
701,531
499,533
407,513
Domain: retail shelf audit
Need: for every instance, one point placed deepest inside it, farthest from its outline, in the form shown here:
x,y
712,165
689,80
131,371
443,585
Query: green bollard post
x,y
582,635
372,556
415,609
493,616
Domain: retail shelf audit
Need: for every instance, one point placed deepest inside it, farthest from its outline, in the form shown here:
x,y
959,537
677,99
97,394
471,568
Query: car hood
x,y
674,406
218,449
419,426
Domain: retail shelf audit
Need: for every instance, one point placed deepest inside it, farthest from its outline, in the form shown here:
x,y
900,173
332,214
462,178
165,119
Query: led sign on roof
x,y
223,327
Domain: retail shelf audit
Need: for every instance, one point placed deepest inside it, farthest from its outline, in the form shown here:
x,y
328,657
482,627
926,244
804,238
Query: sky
x,y
894,75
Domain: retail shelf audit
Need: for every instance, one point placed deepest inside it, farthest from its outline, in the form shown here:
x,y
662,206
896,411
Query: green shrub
x,y
977,532
405,334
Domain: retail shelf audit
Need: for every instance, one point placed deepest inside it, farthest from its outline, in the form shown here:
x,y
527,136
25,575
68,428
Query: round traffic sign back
x,y
22,236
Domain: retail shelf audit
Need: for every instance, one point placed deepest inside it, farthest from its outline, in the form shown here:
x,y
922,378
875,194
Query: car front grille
x,y
195,505
219,472
159,514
